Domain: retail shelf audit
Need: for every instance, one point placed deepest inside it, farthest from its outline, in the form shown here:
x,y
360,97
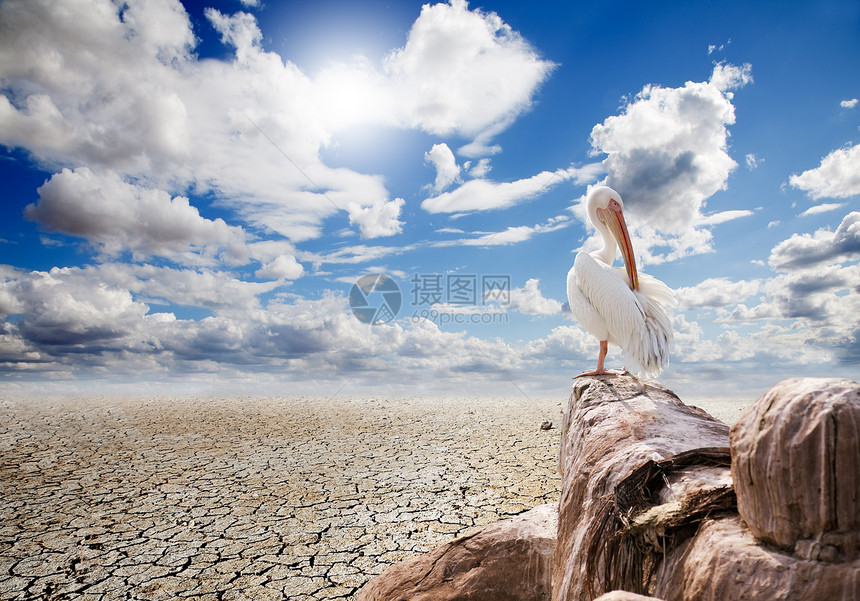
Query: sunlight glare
x,y
350,94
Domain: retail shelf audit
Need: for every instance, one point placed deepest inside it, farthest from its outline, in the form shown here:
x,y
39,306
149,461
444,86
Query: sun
x,y
353,94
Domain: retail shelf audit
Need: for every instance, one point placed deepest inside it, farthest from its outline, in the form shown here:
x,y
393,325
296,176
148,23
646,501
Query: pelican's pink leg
x,y
600,371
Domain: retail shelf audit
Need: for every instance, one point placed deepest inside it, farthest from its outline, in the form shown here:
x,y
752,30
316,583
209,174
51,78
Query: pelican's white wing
x,y
601,299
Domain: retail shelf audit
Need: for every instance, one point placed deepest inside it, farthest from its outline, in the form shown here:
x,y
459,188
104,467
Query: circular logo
x,y
375,299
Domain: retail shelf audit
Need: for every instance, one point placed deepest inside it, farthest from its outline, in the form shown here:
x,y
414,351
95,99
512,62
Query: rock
x,y
547,425
724,561
612,426
795,458
510,560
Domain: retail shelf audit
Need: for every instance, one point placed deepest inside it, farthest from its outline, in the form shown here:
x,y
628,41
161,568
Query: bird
x,y
618,305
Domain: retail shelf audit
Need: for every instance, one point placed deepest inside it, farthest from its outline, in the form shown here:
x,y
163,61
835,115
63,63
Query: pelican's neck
x,y
607,253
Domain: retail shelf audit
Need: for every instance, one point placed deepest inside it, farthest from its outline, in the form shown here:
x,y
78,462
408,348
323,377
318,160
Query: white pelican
x,y
619,305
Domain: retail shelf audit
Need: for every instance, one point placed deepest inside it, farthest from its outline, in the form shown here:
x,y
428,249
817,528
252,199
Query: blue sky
x,y
192,190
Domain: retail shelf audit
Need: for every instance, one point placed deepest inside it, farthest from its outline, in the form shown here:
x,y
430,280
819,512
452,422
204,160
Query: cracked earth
x,y
258,498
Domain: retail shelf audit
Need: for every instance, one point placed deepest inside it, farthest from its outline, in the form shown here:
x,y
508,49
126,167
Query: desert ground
x,y
263,498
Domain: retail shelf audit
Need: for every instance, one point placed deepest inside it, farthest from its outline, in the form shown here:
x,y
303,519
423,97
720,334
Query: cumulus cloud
x,y
61,315
727,77
124,91
464,72
848,104
378,219
284,267
118,217
838,176
447,169
716,293
530,301
825,297
822,246
218,291
480,169
816,292
102,92
667,153
564,343
111,327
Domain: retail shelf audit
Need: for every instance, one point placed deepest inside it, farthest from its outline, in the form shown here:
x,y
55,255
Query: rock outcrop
x,y
509,560
659,498
724,561
795,458
612,427
796,468
677,534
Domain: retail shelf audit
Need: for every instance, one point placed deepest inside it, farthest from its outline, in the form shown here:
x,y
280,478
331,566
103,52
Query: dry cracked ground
x,y
260,498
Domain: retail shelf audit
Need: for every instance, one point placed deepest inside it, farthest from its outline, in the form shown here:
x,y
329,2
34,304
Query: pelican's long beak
x,y
614,220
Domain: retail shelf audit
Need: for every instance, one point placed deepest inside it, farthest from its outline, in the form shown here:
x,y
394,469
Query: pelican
x,y
619,305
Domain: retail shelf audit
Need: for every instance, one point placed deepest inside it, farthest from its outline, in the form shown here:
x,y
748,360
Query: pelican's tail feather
x,y
648,350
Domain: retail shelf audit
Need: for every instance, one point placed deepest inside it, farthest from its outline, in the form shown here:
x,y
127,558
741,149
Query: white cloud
x,y
667,154
123,91
284,267
108,329
483,194
239,30
217,291
378,219
667,150
61,312
447,169
101,92
848,104
116,217
753,161
510,235
824,298
724,216
727,77
564,343
713,47
823,246
530,301
743,313
838,176
822,208
716,293
464,72
359,253
480,169
113,327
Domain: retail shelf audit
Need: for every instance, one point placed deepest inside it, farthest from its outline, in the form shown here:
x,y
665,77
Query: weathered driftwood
x,y
797,468
508,560
627,445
